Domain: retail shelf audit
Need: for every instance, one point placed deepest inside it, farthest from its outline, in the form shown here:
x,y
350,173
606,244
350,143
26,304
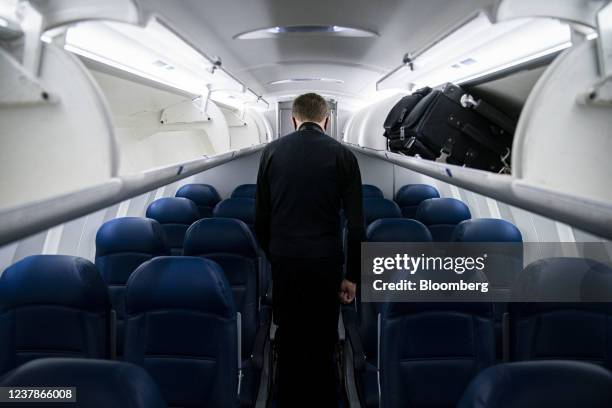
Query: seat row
x,y
175,316
426,354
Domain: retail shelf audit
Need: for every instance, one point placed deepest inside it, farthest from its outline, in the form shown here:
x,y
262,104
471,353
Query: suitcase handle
x,y
489,112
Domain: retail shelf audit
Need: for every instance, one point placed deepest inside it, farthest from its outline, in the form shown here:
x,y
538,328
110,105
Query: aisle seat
x,y
204,196
377,208
409,197
441,215
244,191
371,191
242,209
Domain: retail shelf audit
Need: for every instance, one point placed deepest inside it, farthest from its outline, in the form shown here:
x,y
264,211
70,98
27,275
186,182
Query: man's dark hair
x,y
310,107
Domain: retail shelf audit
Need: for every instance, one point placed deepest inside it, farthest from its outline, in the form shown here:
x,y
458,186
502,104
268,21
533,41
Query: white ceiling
x,y
402,25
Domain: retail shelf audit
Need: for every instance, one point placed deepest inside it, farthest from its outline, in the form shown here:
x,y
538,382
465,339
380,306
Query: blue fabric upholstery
x,y
204,196
52,306
542,384
505,262
181,327
175,214
486,230
377,208
382,230
562,330
98,383
409,197
441,215
429,352
244,191
371,191
122,244
242,209
398,230
231,244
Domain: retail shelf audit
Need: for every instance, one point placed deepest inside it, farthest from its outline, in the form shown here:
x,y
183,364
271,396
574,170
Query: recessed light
x,y
294,80
331,30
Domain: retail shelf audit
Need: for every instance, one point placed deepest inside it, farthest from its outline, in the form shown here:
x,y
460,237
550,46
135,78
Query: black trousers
x,y
306,308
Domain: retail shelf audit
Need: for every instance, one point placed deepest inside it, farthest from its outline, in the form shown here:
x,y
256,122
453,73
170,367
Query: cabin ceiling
x,y
402,25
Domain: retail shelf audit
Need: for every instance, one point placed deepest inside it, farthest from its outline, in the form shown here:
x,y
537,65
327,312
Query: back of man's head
x,y
310,107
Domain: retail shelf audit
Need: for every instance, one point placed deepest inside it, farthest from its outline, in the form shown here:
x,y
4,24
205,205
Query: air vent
x,y
301,30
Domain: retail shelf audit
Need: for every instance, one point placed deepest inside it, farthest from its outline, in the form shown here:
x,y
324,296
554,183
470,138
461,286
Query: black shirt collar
x,y
311,126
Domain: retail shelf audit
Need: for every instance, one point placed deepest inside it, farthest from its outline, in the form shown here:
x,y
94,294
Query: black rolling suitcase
x,y
451,126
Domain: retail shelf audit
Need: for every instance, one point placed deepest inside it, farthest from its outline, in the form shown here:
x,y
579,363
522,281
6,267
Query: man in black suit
x,y
305,179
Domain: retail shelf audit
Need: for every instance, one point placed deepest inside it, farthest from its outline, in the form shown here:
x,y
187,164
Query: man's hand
x,y
347,291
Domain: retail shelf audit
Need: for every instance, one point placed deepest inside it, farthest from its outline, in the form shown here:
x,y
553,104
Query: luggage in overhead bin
x,y
451,126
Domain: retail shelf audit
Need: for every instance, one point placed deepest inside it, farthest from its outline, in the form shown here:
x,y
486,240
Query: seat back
x,y
542,384
542,329
441,215
52,306
181,327
175,214
505,262
204,196
122,244
382,230
409,197
371,191
244,191
429,352
230,243
97,383
377,208
242,209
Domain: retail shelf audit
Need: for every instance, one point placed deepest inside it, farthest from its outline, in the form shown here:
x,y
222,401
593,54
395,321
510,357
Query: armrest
x,y
261,337
352,335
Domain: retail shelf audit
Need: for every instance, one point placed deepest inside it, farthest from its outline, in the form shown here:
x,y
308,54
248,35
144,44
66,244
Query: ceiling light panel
x,y
301,80
305,30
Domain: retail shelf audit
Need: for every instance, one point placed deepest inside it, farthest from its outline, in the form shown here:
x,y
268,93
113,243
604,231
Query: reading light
x,y
330,30
296,80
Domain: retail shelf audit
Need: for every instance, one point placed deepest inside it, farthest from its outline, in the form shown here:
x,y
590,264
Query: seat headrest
x,y
544,282
414,194
377,208
398,230
201,194
131,234
98,383
240,208
179,282
435,211
60,280
173,210
486,230
220,235
244,191
370,191
546,384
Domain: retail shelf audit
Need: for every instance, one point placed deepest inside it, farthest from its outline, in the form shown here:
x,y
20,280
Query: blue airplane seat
x,y
204,196
371,191
441,215
244,191
231,244
562,310
430,351
181,326
377,208
504,262
540,384
175,214
53,306
409,197
242,209
123,244
361,322
97,383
